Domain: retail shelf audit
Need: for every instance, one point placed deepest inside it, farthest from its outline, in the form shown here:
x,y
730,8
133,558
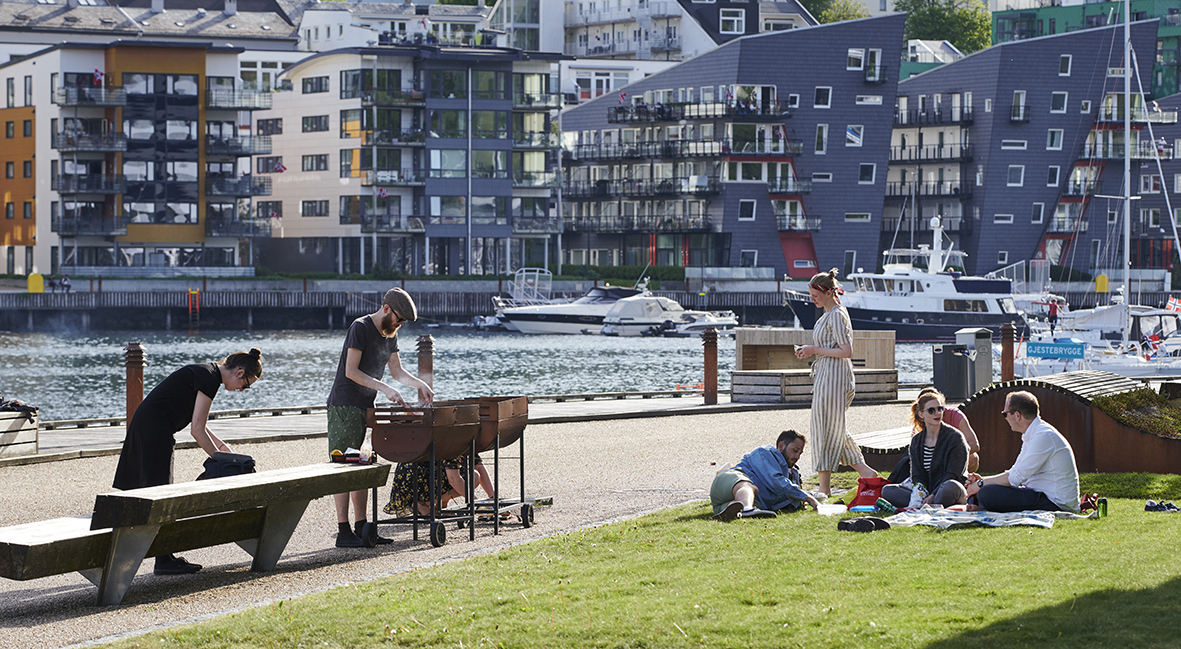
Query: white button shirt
x,y
1046,463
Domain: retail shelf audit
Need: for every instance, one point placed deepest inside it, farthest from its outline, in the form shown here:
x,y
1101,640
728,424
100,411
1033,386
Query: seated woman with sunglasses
x,y
938,457
955,418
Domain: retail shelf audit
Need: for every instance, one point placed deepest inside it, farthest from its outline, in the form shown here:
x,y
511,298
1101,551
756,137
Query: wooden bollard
x,y
709,340
1008,338
134,361
426,363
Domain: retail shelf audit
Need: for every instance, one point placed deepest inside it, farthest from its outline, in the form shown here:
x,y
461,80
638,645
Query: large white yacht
x,y
585,313
651,315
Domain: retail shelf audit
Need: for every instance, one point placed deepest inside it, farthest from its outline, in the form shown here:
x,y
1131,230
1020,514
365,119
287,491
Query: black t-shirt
x,y
173,400
376,350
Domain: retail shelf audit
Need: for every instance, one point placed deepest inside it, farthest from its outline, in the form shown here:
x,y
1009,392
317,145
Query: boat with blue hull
x,y
917,298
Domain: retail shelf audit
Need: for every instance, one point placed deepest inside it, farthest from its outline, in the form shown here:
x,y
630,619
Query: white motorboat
x,y
917,298
650,315
568,317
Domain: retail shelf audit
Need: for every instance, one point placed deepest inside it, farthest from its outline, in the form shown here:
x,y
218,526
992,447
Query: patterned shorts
x,y
346,428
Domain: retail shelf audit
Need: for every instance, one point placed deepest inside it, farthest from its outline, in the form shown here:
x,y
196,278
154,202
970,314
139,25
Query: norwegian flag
x,y
1173,304
783,132
98,77
729,93
278,168
622,97
274,214
381,193
424,23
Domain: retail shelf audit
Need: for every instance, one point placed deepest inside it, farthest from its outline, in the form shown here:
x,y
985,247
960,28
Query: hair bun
x,y
255,352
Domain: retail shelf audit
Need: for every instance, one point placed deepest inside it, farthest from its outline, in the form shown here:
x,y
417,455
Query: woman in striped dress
x,y
832,383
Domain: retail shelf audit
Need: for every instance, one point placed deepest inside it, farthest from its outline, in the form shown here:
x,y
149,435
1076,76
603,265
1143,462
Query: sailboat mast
x,y
1127,161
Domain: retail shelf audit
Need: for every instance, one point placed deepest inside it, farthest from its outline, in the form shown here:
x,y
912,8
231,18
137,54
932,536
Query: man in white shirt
x,y
1044,477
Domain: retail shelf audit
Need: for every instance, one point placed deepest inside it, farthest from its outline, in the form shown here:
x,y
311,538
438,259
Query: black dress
x,y
146,458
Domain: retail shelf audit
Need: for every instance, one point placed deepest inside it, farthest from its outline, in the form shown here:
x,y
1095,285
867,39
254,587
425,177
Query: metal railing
x,y
637,223
83,141
237,186
953,188
238,99
1140,114
535,139
88,183
789,186
391,223
525,179
217,227
409,137
394,177
1142,150
544,100
537,225
402,97
238,146
71,225
950,223
933,152
797,223
642,187
1067,224
86,96
1019,113
915,117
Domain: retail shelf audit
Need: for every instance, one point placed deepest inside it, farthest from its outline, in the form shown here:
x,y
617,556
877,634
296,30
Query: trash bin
x,y
950,364
978,341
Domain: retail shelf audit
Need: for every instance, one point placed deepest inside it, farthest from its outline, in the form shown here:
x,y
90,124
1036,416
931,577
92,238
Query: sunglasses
x,y
934,409
249,383
1006,413
398,319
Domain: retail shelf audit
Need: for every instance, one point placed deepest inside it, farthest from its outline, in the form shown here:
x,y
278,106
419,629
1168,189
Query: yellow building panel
x,y
18,190
154,233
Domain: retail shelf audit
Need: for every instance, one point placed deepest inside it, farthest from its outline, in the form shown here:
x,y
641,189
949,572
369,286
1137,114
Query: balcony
x,y
789,186
693,185
99,225
666,44
797,223
931,153
940,117
83,96
218,227
1081,188
89,184
619,224
535,140
535,179
643,113
955,224
238,100
237,186
238,146
403,97
876,74
948,188
409,137
537,100
1140,115
394,178
1019,113
393,223
1067,225
536,225
1142,150
93,142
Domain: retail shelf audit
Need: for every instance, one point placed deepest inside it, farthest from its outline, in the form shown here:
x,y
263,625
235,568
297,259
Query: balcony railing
x,y
638,223
630,114
797,223
931,153
81,141
535,140
686,149
75,225
665,44
527,179
237,186
394,178
88,184
238,99
403,97
543,100
409,137
694,185
789,186
1019,114
1140,115
1140,151
217,227
238,146
940,117
536,225
876,74
952,188
1067,224
1080,188
83,96
393,223
950,224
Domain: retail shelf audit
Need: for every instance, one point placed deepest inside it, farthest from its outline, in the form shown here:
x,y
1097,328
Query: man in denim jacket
x,y
764,481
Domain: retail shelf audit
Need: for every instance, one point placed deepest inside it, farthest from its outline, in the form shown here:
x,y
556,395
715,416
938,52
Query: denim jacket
x,y
778,483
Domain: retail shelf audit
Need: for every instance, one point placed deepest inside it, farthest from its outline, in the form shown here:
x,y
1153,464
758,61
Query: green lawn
x,y
678,579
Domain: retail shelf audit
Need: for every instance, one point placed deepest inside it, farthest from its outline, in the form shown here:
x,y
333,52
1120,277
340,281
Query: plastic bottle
x,y
367,449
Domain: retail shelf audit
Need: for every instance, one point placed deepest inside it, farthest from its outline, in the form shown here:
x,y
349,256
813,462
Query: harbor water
x,y
82,376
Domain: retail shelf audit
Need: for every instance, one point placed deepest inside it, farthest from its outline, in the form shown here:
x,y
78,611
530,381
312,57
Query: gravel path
x,y
596,471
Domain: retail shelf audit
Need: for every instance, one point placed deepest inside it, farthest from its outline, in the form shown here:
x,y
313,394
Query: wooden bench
x,y
258,511
18,434
795,386
884,448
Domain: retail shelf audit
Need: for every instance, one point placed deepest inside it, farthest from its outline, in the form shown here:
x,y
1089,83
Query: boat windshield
x,y
1007,305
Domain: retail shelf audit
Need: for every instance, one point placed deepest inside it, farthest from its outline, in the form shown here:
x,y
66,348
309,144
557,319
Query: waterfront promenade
x,y
601,461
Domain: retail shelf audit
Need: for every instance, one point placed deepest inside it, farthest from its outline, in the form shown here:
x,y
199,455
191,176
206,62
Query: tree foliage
x,y
838,10
816,7
964,23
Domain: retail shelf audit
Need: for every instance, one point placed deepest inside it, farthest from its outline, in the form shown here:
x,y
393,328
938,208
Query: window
x,y
1039,211
1094,253
28,91
850,262
489,164
9,129
313,85
315,162
10,208
1112,217
1150,184
494,124
823,98
10,170
856,59
1002,257
180,130
746,210
28,209
1064,65
793,100
181,84
1054,139
1177,183
448,123
313,208
448,210
856,217
1150,217
449,84
732,21
822,177
749,259
11,101
1013,145
868,100
28,128
1052,177
1058,102
28,168
448,163
853,133
270,126
1085,106
821,138
1016,176
867,173
1002,218
488,84
269,209
315,124
988,105
270,164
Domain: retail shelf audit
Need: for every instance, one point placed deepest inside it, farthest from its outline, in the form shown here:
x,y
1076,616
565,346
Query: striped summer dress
x,y
832,392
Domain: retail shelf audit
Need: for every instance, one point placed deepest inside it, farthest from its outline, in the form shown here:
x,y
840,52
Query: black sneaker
x,y
754,512
359,529
348,540
170,564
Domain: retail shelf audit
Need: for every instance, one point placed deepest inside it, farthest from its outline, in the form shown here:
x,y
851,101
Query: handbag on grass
x,y
868,491
221,465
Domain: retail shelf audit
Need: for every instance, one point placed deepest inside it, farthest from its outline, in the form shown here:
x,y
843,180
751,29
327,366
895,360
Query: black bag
x,y
222,465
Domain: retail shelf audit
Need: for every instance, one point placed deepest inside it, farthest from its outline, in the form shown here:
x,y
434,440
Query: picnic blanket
x,y
945,518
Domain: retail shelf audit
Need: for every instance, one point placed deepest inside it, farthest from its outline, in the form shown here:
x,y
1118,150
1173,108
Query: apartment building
x,y
1008,146
422,158
724,160
125,161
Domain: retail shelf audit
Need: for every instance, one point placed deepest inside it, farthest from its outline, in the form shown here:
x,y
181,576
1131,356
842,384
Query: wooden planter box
x,y
775,349
795,386
18,434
